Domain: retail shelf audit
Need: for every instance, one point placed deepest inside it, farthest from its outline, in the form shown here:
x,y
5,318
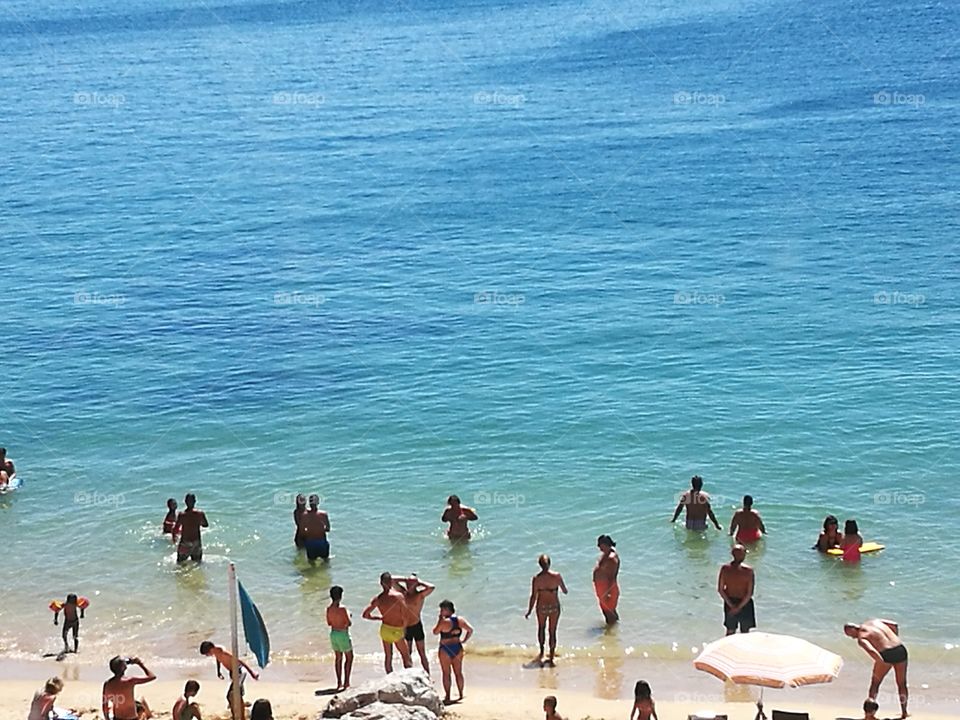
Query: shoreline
x,y
494,683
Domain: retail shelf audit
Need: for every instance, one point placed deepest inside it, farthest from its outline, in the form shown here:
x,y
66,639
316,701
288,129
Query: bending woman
x,y
454,632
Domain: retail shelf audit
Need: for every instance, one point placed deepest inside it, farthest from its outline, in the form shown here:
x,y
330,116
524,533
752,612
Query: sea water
x,y
555,257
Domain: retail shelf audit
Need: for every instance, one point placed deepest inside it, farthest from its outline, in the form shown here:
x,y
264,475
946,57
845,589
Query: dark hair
x,y
115,664
261,710
190,500
453,498
606,540
850,527
747,500
870,706
447,605
336,593
544,561
205,647
550,700
642,691
3,451
696,482
191,686
71,598
830,520
171,500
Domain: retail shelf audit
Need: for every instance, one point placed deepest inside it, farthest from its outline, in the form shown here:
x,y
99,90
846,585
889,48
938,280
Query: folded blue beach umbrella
x,y
254,628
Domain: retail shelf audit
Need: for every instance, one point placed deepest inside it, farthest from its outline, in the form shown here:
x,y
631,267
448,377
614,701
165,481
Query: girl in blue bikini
x,y
454,632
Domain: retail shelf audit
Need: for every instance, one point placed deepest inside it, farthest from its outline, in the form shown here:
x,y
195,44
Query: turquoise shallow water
x,y
553,257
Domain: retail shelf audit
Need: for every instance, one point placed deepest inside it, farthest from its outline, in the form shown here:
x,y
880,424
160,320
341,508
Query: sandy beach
x,y
497,690
296,701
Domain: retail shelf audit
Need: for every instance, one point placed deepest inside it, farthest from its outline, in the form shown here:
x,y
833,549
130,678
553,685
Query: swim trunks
x,y
391,634
138,706
748,536
746,618
317,549
340,641
414,633
851,553
243,676
189,548
696,524
894,655
608,594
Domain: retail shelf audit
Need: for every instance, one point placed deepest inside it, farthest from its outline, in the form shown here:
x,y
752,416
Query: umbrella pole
x,y
761,715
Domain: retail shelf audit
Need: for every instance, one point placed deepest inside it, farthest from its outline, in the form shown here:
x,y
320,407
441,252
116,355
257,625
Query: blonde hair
x,y
53,686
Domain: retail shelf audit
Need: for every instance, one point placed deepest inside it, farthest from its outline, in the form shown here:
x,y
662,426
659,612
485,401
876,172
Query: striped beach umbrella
x,y
768,660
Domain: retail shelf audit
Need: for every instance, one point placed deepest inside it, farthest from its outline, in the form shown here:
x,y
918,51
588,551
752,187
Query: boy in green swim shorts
x,y
338,618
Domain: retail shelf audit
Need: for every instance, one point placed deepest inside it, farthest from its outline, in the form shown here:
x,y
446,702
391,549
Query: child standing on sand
x,y
338,618
851,542
228,661
643,705
71,620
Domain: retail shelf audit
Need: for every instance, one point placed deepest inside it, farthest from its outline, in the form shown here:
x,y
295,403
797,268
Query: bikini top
x,y
454,631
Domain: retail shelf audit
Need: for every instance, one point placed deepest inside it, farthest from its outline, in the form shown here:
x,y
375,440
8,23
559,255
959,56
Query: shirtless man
x,y
118,690
393,618
314,526
226,660
747,523
880,639
735,585
7,470
544,593
415,591
187,528
697,504
605,579
458,515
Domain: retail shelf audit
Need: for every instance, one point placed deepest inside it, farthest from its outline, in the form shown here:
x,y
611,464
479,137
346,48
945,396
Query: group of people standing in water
x,y
399,605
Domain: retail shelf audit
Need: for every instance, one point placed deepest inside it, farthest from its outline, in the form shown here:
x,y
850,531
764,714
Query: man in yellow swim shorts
x,y
393,621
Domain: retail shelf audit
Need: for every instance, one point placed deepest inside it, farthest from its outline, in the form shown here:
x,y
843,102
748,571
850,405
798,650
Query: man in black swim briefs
x,y
880,639
415,591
